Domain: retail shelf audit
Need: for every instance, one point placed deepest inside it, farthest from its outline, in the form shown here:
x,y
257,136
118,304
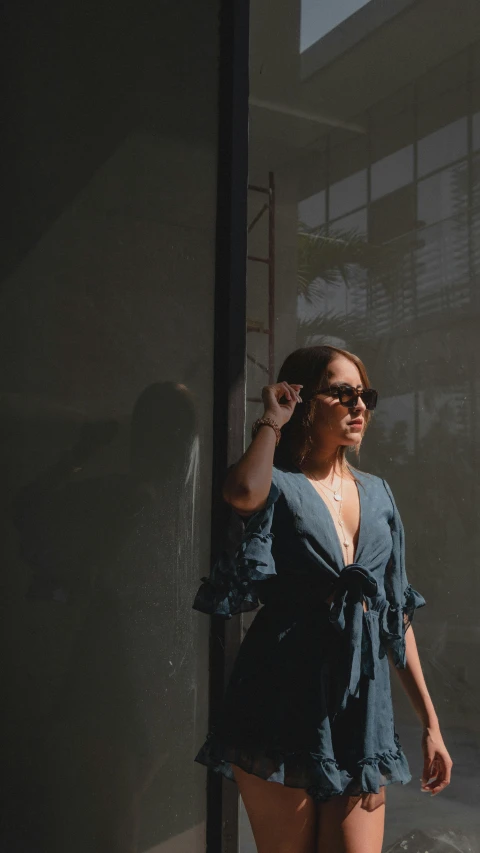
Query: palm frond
x,y
334,326
334,257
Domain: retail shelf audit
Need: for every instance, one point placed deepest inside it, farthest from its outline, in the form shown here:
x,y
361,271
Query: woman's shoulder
x,y
286,478
371,482
366,477
376,487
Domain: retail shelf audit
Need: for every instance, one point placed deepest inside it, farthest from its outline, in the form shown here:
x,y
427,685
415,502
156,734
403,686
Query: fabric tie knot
x,y
353,584
357,581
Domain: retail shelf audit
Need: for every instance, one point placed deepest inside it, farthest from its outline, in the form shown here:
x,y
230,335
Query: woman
x,y
307,728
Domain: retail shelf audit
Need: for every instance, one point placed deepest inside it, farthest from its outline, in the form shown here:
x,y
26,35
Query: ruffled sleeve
x,y
402,599
231,586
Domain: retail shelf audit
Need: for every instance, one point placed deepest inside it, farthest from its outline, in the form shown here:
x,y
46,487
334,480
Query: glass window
x,y
443,195
475,48
348,153
392,172
394,419
348,194
106,400
391,134
404,297
354,222
311,211
319,19
475,182
442,147
392,215
441,260
476,131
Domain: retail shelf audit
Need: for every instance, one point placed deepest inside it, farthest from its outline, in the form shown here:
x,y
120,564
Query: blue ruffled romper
x,y
309,702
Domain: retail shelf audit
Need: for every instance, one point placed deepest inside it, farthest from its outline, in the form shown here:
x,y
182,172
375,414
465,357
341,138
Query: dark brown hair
x,y
308,366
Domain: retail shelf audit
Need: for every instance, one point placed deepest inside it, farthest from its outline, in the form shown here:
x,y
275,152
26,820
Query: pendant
x,y
337,496
346,544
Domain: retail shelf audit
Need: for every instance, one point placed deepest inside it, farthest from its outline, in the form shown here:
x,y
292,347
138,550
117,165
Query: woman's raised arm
x,y
248,482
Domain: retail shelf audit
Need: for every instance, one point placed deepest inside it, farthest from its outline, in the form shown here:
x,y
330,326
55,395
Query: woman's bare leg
x,y
352,824
283,820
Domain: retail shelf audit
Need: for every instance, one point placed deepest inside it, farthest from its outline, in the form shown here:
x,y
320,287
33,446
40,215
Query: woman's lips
x,y
356,424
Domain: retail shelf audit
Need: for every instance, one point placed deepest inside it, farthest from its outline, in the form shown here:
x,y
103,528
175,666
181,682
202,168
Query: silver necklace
x,y
337,493
341,523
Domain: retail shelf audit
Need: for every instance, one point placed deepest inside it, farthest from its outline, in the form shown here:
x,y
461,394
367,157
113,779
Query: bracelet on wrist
x,y
267,422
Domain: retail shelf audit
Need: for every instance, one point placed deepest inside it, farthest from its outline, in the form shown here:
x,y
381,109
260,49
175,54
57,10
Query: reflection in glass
x,y
392,215
407,302
348,194
103,547
106,330
319,19
443,267
442,146
443,195
476,131
353,222
312,211
392,172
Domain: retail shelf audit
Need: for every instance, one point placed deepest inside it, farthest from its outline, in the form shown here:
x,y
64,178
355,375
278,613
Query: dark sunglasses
x,y
348,396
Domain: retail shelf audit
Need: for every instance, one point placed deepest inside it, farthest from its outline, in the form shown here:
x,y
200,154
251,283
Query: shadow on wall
x,y
102,705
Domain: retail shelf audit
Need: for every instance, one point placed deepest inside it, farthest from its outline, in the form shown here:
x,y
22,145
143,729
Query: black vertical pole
x,y
229,361
271,277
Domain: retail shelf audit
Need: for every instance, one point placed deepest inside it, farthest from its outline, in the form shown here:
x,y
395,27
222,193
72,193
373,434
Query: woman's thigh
x,y
283,820
351,824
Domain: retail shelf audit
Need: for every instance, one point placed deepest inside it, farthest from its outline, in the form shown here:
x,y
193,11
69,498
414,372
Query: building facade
x,y
190,192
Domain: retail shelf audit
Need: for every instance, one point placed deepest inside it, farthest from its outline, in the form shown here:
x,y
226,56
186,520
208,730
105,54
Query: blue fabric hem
x,y
321,776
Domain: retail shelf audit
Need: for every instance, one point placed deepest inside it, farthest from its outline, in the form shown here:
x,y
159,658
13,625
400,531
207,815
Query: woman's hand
x,y
437,764
271,396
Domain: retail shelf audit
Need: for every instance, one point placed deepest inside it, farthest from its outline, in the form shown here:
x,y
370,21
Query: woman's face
x,y
335,425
